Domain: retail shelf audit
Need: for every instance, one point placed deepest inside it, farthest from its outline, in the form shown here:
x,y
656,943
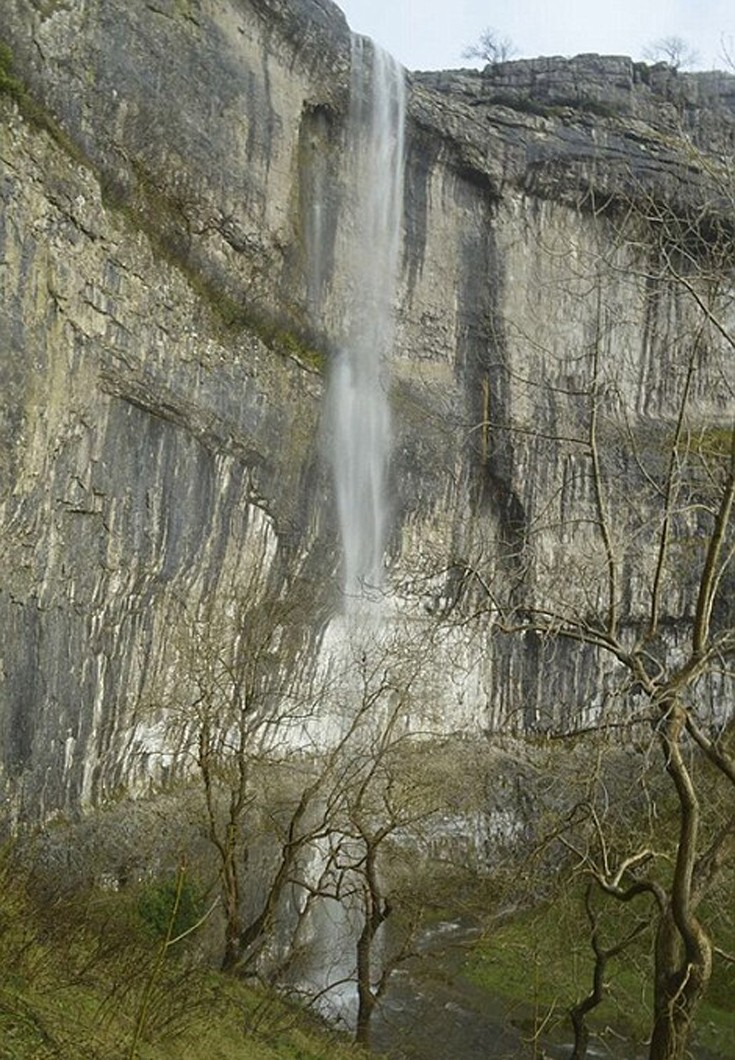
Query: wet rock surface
x,y
163,372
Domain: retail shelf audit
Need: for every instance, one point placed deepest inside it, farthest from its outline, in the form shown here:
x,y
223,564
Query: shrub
x,y
9,85
158,903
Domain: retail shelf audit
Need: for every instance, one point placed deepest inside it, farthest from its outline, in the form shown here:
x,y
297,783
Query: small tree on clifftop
x,y
672,50
491,47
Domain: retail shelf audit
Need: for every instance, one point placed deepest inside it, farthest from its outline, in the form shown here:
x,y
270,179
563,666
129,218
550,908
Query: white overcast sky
x,y
431,34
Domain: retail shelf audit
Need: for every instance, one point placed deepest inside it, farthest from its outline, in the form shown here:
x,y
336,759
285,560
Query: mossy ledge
x,y
32,111
167,227
146,209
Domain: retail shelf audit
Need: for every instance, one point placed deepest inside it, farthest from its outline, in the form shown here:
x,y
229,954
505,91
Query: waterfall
x,y
358,404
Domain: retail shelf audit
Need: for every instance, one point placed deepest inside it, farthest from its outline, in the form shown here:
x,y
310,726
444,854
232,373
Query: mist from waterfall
x,y
358,403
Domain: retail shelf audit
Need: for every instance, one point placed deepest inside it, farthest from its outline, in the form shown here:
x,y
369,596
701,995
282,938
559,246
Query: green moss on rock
x,y
9,85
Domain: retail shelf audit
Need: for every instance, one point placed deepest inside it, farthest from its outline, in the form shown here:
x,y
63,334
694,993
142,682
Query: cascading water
x,y
359,414
354,286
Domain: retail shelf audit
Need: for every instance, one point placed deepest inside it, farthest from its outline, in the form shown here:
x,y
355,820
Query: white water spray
x,y
358,403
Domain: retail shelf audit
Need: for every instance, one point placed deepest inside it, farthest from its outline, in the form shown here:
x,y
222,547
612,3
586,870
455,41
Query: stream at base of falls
x,y
430,1012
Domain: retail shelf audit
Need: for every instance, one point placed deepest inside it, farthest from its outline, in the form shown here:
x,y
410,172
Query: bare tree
x,y
312,793
674,51
222,703
639,584
379,807
491,47
378,796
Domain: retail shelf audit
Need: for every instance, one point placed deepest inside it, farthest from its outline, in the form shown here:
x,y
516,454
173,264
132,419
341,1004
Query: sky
x,y
431,34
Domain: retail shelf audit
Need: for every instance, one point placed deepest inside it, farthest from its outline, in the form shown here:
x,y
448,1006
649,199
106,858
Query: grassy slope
x,y
79,974
74,1024
541,964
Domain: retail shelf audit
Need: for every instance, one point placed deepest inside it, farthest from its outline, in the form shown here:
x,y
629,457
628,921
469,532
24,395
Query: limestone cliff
x,y
163,367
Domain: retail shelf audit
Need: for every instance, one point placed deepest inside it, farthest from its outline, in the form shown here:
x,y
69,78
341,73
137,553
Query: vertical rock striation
x,y
170,209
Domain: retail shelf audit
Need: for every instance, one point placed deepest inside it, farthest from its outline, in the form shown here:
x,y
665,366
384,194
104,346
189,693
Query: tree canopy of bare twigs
x,y
491,47
674,50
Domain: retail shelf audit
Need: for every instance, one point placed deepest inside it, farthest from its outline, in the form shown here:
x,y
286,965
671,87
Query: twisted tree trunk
x,y
683,949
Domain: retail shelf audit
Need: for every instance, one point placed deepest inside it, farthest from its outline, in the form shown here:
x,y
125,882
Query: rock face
x,y
163,368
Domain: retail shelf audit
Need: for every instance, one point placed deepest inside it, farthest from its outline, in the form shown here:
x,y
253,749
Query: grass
x,y
540,964
76,972
71,1024
541,960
